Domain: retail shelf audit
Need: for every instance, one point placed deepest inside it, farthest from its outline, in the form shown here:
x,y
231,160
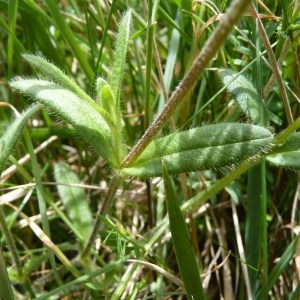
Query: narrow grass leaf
x,y
18,45
41,196
201,148
68,34
5,286
253,223
288,154
149,52
170,21
11,136
171,59
12,17
74,200
51,246
280,266
67,286
69,107
245,95
37,31
184,251
187,8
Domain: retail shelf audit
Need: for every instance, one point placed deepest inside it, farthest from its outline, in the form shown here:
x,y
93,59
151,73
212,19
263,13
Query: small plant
x,y
239,146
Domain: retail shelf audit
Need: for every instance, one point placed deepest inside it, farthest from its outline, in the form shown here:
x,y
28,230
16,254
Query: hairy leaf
x,y
106,98
246,96
69,107
74,200
120,57
201,148
50,72
288,154
11,136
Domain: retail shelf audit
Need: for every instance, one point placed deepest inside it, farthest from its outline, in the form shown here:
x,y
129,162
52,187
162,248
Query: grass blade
x,y
253,240
5,287
82,279
184,251
12,13
68,35
277,271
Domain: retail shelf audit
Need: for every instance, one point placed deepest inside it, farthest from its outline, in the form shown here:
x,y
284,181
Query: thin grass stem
x,y
264,230
275,67
5,286
41,200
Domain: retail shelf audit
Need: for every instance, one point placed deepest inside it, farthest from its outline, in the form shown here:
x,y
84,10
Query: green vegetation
x,y
149,150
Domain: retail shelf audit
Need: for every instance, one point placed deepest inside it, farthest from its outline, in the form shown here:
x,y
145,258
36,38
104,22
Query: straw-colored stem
x,y
275,67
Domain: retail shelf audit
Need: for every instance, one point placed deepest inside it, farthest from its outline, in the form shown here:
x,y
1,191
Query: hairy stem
x,y
102,210
208,52
194,202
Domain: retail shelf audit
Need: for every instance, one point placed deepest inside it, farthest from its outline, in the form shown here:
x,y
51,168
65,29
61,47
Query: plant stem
x,y
5,286
10,243
284,134
253,224
208,52
41,201
264,230
102,210
150,29
274,65
196,201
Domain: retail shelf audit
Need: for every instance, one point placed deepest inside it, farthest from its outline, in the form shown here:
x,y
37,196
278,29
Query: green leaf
x,y
120,58
50,72
201,148
245,95
69,107
5,284
11,136
283,262
184,250
74,200
106,97
60,22
288,154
